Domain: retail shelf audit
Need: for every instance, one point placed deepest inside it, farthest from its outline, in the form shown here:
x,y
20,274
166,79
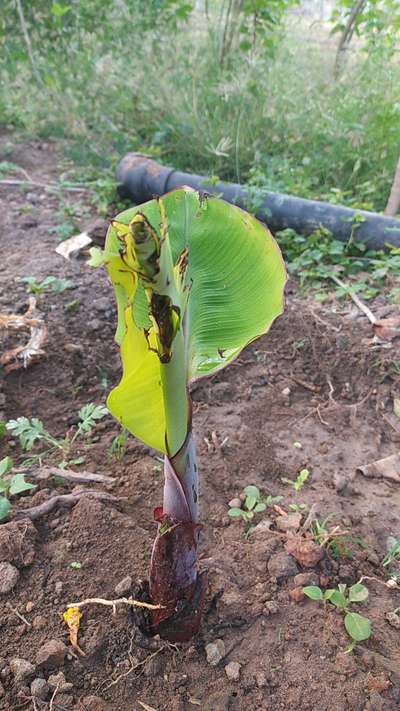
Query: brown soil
x,y
341,392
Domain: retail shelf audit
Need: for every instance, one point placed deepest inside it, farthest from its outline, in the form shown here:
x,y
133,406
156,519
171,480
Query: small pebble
x,y
394,619
235,503
51,654
215,651
376,701
271,607
303,579
39,622
40,689
29,606
232,671
297,594
58,681
124,586
340,483
282,566
289,523
8,577
22,670
94,325
373,558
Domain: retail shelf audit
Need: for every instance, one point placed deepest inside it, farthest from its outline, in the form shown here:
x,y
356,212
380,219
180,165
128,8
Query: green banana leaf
x,y
224,275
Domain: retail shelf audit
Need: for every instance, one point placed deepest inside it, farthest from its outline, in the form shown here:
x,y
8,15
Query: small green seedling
x,y
393,557
357,626
299,482
89,414
103,378
333,539
30,431
56,284
118,445
298,508
10,486
75,565
320,531
72,305
253,503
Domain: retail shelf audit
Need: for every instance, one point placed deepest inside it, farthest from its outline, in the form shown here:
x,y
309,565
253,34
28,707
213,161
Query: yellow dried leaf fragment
x,y
72,618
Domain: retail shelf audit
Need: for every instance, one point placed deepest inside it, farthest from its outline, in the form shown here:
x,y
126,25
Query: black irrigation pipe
x,y
140,178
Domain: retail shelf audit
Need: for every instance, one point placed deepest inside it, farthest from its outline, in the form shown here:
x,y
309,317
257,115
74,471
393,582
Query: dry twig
x,y
67,500
22,356
53,697
113,603
310,518
323,322
363,307
135,664
304,384
387,583
35,183
45,473
18,614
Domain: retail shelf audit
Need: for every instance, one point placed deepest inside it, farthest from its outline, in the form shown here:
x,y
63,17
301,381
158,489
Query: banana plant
x,y
196,280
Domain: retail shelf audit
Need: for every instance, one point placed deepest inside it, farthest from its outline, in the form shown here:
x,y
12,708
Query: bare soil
x,y
317,379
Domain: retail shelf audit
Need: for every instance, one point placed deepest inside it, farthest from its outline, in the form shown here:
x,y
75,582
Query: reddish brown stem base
x,y
175,583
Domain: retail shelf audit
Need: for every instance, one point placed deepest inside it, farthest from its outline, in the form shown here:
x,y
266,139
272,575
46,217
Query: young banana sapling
x,y
196,280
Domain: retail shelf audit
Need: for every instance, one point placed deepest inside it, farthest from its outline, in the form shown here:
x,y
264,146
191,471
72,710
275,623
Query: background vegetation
x,y
245,90
287,95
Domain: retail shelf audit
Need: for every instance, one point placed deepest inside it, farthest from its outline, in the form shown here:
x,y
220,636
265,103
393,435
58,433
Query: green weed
x,y
10,485
32,431
118,445
253,503
357,626
300,480
56,284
